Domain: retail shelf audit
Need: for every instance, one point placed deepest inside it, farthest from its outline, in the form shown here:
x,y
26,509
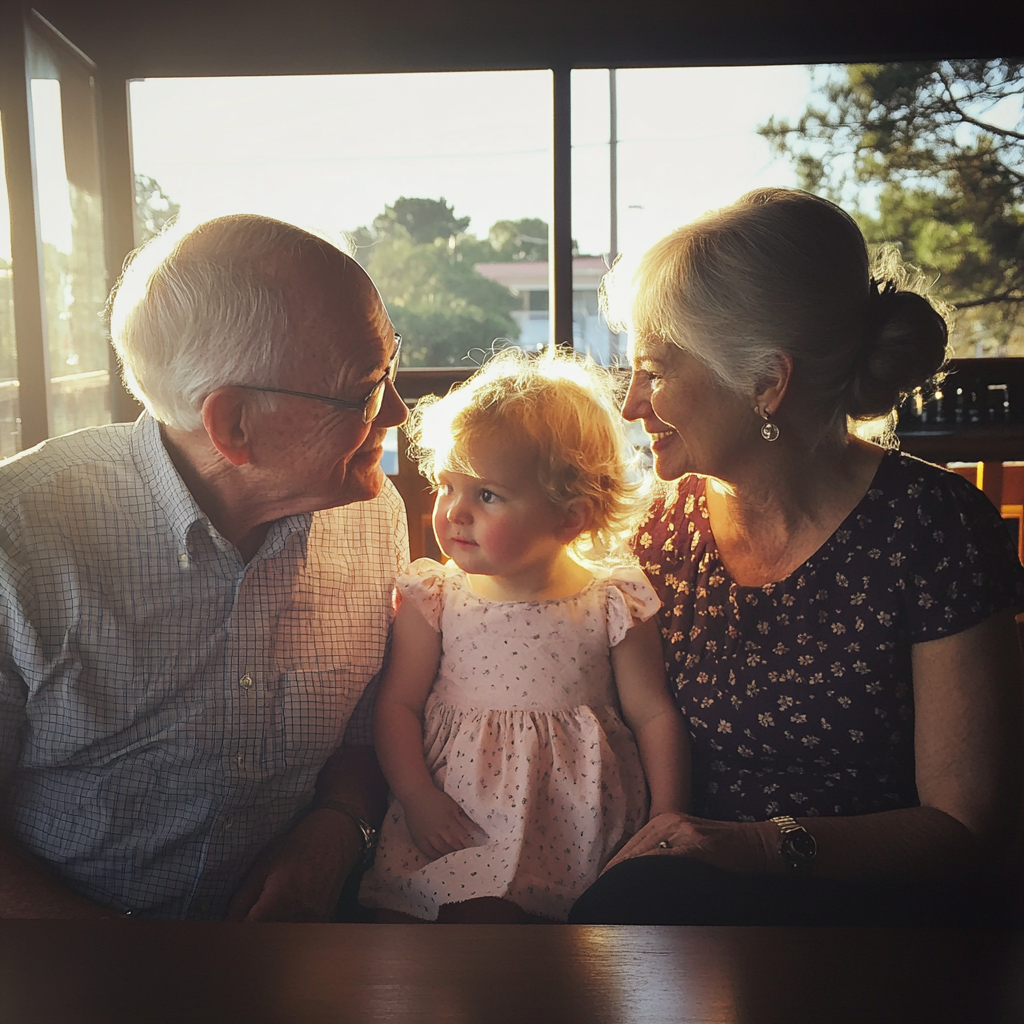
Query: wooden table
x,y
193,973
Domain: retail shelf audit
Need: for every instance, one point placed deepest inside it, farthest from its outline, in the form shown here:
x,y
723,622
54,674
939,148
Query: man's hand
x,y
299,876
28,889
438,825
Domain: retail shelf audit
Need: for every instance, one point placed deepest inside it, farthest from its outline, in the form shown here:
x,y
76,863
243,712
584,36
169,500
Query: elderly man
x,y
192,606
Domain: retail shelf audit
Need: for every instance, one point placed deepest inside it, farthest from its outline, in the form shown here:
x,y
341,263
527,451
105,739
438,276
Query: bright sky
x,y
329,152
687,143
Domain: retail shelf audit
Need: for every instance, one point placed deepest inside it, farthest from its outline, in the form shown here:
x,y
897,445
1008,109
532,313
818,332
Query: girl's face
x,y
498,522
695,425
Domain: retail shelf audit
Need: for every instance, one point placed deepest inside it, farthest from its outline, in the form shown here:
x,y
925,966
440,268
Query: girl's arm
x,y
967,746
652,715
436,822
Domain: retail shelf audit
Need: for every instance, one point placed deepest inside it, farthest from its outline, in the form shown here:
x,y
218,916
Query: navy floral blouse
x,y
799,693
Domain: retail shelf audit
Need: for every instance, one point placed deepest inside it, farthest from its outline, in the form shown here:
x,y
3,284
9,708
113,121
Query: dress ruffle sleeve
x,y
630,598
423,584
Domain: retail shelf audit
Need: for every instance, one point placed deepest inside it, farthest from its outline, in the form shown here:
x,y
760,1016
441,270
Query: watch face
x,y
799,846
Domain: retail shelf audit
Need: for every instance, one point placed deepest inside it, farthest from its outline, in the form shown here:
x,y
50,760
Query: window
x,y
443,183
437,179
70,216
653,148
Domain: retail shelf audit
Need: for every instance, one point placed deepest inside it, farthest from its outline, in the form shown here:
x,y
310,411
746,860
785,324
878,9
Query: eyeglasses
x,y
369,406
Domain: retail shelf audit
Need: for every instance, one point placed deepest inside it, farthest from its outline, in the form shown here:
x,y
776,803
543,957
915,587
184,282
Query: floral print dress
x,y
522,728
799,693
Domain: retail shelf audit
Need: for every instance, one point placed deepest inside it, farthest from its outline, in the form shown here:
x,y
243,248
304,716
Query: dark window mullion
x,y
560,267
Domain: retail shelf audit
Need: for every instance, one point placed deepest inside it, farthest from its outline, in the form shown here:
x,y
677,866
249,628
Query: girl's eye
x,y
444,488
488,497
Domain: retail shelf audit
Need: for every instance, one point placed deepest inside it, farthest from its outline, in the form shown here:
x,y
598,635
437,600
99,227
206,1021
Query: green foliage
x,y
422,260
75,291
424,219
929,155
153,207
514,240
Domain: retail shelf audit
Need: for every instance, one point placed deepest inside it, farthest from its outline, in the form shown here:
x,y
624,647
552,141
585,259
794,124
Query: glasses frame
x,y
369,406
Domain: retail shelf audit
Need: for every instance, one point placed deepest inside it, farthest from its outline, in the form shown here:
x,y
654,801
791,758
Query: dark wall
x,y
201,37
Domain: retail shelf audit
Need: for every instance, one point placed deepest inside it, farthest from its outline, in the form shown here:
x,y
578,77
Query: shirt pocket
x,y
313,710
323,665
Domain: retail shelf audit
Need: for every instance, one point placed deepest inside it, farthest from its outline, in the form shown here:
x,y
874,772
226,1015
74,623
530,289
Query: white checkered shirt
x,y
165,707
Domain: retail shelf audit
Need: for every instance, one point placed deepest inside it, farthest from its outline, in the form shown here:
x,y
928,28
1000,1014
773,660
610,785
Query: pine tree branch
x,y
956,109
991,300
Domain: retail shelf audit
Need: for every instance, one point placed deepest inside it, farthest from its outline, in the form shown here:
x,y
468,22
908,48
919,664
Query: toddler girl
x,y
498,720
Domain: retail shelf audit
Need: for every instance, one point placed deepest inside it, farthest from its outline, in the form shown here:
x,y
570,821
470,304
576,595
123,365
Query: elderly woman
x,y
838,619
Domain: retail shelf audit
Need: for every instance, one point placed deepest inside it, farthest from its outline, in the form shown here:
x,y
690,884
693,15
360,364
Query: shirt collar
x,y
170,493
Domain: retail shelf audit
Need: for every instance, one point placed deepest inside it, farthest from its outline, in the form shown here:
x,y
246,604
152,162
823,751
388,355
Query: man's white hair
x,y
196,310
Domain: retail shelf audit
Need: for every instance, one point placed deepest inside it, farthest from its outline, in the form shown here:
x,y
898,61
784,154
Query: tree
x,y
153,207
929,155
424,219
514,240
423,263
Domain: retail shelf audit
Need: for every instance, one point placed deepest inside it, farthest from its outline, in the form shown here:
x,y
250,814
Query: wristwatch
x,y
370,834
797,845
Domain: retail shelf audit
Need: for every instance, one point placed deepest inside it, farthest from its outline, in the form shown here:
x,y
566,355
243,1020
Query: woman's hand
x,y
438,825
741,847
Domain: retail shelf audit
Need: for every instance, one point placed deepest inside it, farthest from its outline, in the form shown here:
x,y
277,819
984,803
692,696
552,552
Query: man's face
x,y
318,456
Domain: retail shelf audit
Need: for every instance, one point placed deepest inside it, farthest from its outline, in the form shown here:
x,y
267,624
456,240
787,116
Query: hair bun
x,y
904,346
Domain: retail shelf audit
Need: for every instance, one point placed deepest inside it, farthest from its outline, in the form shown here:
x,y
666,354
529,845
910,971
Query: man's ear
x,y
227,421
773,386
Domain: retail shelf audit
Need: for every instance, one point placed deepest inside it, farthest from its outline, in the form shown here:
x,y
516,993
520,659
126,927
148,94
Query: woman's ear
x,y
774,384
226,418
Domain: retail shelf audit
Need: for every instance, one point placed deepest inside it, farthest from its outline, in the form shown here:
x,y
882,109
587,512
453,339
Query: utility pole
x,y
613,196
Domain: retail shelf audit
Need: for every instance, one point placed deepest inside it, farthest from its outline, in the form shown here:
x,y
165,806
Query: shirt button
x,y
229,823
240,760
245,682
183,559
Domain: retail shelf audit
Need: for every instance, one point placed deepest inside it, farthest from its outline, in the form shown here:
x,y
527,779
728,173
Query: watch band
x,y
796,845
369,832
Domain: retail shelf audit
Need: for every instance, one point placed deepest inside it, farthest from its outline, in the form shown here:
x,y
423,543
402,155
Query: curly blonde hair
x,y
567,411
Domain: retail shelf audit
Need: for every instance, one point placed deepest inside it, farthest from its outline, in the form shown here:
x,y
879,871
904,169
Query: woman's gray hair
x,y
782,270
198,310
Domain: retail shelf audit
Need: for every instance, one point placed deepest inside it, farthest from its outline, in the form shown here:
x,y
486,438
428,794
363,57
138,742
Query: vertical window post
x,y
560,255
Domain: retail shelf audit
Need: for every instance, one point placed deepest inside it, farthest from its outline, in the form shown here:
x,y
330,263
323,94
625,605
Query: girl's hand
x,y
438,825
746,849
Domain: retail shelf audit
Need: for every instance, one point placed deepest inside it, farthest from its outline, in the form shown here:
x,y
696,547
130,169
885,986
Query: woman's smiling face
x,y
695,424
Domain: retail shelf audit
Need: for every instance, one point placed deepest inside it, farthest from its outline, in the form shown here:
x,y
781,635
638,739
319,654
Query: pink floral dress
x,y
522,728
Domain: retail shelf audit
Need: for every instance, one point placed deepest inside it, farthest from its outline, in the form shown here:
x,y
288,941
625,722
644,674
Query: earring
x,y
769,430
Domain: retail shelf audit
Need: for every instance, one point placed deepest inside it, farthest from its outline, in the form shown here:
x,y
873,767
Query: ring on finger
x,y
664,845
